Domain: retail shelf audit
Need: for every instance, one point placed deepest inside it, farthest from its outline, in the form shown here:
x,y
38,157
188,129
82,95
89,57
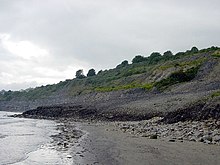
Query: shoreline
x,y
105,144
27,141
116,143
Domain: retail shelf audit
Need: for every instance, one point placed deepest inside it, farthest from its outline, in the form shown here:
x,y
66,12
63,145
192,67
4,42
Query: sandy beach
x,y
104,144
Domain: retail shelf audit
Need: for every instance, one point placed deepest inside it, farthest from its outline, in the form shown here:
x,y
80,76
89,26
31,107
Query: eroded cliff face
x,y
137,101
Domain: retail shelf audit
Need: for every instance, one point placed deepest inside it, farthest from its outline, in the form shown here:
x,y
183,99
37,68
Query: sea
x,y
28,142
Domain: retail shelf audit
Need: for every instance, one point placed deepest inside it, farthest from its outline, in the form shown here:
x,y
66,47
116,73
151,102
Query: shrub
x,y
79,74
177,77
154,58
123,64
91,72
179,55
194,50
167,54
216,53
215,94
138,59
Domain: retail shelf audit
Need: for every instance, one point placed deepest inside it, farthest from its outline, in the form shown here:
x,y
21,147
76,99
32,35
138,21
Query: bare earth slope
x,y
190,81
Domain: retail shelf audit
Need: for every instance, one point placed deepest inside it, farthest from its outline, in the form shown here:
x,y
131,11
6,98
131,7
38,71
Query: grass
x,y
177,77
215,94
216,53
124,87
183,64
126,77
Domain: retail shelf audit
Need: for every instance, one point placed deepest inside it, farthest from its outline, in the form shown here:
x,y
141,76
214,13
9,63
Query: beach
x,y
64,141
28,141
105,144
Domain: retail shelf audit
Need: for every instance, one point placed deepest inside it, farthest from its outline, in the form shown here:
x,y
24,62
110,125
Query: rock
x,y
125,127
193,139
207,142
69,156
59,144
145,135
196,131
198,134
65,144
201,139
207,138
154,136
216,138
180,138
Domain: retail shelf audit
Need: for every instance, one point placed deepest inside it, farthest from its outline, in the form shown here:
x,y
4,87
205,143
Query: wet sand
x,y
81,143
104,144
28,142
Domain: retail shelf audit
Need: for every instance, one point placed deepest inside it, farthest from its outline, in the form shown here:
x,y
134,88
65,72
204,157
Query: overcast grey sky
x,y
46,41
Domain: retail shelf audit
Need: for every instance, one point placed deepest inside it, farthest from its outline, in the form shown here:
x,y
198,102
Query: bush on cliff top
x,y
126,76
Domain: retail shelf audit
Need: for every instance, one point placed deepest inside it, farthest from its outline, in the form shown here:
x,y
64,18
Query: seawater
x,y
28,142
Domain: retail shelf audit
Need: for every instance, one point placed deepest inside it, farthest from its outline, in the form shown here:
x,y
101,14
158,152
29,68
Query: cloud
x,y
49,41
24,64
24,49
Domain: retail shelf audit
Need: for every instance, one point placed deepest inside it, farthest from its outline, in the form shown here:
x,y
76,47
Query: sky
x,y
47,41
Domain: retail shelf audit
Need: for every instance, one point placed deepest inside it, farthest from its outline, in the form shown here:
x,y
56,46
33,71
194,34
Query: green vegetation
x,y
194,50
216,53
79,74
168,54
138,59
177,77
91,72
33,94
215,94
156,70
124,87
123,64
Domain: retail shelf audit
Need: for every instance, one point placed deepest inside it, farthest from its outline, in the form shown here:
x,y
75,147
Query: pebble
x,y
69,156
207,131
216,138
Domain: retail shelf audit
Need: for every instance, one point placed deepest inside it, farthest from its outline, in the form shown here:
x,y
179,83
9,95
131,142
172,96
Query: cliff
x,y
131,92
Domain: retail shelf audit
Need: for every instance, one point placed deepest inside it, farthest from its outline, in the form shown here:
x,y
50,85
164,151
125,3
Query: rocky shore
x,y
198,122
93,137
145,142
68,135
207,131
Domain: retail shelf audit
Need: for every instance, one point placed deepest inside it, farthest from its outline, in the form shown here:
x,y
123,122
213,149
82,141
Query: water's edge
x,y
34,141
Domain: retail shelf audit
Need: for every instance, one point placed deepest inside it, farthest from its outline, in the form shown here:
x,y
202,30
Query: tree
x,y
155,55
79,74
168,54
154,58
99,72
194,50
123,64
179,54
138,59
91,72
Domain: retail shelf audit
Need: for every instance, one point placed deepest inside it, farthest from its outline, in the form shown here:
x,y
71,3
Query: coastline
x,y
105,143
26,141
108,143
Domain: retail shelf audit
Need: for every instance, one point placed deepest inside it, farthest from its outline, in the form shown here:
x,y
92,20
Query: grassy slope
x,y
160,73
